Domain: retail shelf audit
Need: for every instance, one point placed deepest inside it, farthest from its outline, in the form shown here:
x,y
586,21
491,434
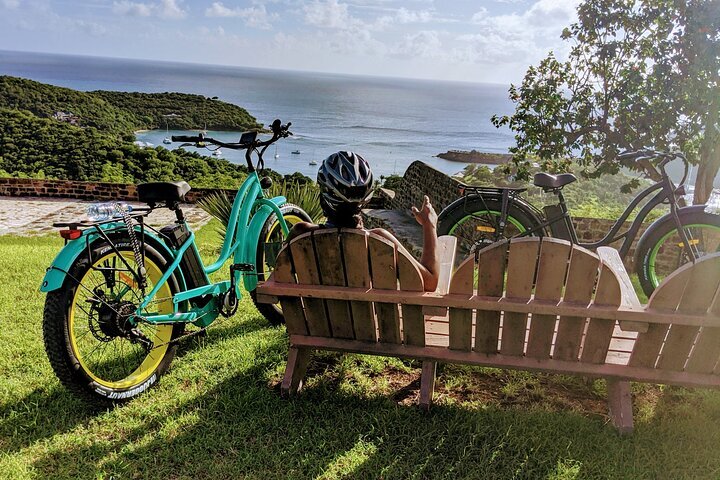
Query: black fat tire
x,y
655,234
57,337
271,312
461,208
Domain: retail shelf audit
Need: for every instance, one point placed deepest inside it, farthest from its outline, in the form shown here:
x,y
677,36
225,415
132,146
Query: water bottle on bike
x,y
99,212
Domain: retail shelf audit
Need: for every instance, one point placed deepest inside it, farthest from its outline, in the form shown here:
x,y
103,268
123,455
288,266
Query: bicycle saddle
x,y
159,192
545,180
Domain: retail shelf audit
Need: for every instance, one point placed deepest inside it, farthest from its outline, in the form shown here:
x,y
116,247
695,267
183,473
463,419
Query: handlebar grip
x,y
186,138
629,156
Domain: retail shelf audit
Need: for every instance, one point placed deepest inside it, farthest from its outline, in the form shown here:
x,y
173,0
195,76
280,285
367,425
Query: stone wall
x,y
94,191
422,179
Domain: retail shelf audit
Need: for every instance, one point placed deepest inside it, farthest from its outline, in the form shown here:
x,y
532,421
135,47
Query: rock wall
x,y
94,191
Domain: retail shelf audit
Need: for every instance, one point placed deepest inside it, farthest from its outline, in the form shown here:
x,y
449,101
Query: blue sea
x,y
390,121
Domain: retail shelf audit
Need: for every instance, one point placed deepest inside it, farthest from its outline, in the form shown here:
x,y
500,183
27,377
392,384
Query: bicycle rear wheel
x,y
93,346
476,223
661,249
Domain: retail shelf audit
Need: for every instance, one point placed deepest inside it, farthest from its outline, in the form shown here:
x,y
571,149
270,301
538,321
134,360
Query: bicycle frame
x,y
667,192
248,203
249,212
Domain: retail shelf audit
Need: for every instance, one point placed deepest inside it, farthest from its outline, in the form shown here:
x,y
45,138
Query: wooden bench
x,y
531,304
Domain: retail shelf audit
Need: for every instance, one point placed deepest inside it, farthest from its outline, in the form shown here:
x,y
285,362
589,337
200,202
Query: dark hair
x,y
344,215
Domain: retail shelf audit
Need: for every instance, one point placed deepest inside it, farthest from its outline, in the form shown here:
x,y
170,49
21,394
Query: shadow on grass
x,y
41,414
241,428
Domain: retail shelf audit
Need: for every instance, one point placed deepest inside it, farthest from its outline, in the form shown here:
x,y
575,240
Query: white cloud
x,y
171,9
132,9
516,38
10,4
164,9
256,17
424,44
329,14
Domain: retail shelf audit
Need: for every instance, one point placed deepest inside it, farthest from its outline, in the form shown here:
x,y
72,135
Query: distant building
x,y
67,117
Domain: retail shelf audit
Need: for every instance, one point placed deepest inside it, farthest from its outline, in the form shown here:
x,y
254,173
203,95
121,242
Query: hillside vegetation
x,y
95,142
123,112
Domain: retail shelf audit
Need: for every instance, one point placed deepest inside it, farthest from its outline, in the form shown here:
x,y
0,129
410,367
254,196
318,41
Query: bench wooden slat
x,y
522,264
413,320
665,298
357,272
332,272
582,275
552,267
384,277
303,256
491,277
461,318
292,307
599,330
696,299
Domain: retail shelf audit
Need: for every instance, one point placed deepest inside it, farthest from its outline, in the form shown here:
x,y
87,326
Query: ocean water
x,y
390,121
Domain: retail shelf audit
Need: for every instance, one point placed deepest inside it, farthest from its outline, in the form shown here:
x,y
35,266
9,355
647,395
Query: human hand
x,y
426,215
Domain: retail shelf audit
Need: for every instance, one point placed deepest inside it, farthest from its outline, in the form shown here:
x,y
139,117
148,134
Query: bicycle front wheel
x,y
661,249
475,222
271,240
94,347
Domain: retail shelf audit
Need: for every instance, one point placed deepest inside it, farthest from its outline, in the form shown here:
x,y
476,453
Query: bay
x,y
390,121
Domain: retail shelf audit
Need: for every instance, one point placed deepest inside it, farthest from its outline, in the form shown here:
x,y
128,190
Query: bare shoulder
x,y
385,234
300,228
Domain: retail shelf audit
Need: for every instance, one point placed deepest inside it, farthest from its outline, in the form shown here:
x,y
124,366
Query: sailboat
x,y
277,155
167,140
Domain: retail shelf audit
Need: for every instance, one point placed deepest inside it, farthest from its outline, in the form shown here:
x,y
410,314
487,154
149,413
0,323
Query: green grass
x,y
218,414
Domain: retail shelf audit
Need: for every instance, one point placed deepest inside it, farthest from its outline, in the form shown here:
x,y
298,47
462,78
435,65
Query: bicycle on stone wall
x,y
483,215
121,293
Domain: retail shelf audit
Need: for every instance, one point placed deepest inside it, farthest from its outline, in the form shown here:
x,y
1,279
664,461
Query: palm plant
x,y
305,196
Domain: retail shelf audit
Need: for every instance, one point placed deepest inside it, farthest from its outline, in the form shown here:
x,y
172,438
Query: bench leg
x,y
298,359
427,384
620,402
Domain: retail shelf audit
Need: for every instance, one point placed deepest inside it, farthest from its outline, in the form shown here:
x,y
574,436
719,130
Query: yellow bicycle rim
x,y
118,353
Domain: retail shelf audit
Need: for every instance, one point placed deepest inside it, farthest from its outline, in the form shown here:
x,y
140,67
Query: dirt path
x,y
35,216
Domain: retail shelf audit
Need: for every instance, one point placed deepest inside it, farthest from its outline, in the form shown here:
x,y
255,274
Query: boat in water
x,y
295,152
167,141
312,162
217,153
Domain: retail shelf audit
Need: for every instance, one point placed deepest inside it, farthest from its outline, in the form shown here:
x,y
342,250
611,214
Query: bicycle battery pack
x,y
559,228
175,236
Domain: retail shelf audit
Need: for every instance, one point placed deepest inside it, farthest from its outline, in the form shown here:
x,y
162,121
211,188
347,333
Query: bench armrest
x,y
628,298
446,246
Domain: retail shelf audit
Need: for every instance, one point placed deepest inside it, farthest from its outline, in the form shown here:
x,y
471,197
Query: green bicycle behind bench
x,y
121,293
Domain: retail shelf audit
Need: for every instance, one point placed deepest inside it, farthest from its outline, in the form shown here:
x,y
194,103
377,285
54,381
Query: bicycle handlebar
x,y
664,157
248,142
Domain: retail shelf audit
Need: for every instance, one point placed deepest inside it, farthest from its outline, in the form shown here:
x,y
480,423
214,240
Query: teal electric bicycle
x,y
120,294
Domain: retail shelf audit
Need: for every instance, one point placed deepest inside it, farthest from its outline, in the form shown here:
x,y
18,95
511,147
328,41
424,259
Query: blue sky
x,y
491,41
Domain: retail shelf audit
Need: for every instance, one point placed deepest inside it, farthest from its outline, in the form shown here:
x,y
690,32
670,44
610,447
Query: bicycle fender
x,y
253,238
56,273
667,218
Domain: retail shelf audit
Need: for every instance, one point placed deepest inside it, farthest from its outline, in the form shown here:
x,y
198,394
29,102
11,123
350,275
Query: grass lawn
x,y
218,414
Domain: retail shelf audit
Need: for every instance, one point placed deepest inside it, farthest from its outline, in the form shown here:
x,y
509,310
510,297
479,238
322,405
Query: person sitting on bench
x,y
346,185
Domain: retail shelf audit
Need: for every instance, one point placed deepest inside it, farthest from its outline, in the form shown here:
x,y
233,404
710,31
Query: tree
x,y
639,74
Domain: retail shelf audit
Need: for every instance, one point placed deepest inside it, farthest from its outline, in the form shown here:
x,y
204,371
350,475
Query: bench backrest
x,y
352,258
690,290
546,271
